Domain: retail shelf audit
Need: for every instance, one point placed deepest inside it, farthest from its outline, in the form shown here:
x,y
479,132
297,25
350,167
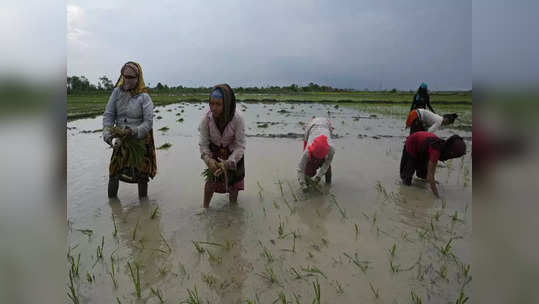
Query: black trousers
x,y
410,165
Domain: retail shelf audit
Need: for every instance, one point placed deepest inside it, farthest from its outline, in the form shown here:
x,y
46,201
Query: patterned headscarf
x,y
141,87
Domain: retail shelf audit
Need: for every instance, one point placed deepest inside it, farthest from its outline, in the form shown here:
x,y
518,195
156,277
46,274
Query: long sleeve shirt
x,y
430,120
313,129
233,137
124,110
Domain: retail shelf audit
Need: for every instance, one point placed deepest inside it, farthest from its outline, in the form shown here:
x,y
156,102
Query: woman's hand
x,y
431,169
128,132
212,165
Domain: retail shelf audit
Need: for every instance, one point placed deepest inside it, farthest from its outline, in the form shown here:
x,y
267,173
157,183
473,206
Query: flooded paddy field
x,y
364,239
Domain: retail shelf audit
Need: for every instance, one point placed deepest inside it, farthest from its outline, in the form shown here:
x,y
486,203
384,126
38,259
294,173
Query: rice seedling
x,y
69,249
209,279
164,146
264,211
466,270
296,297
324,242
87,232
134,234
260,191
75,266
316,287
394,267
275,204
374,218
280,229
112,272
297,275
115,233
340,290
292,210
437,216
72,293
154,213
90,278
462,299
356,227
281,298
444,203
375,291
135,276
341,210
156,292
163,270
180,120
192,297
269,275
280,186
382,190
292,191
446,250
392,250
314,270
266,253
214,258
118,300
130,145
363,265
163,129
165,241
198,248
99,254
442,272
415,298
159,117
310,254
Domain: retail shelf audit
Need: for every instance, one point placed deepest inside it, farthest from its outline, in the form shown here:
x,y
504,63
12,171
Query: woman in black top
x,y
421,99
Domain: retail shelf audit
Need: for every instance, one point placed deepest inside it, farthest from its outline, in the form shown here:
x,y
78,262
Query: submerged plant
x,y
192,297
313,269
415,298
266,252
198,247
316,287
115,233
135,276
154,213
375,291
72,294
112,272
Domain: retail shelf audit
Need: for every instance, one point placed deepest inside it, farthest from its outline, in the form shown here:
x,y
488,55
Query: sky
x,y
345,44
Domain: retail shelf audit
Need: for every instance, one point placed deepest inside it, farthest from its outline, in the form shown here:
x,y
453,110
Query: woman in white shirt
x,y
424,120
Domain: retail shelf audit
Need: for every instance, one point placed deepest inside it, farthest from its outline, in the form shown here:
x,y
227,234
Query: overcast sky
x,y
345,44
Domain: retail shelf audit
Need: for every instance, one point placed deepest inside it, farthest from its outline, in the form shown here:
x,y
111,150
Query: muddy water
x,y
365,187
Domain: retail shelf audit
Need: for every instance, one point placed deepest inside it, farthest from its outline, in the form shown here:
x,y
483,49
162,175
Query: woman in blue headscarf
x,y
422,99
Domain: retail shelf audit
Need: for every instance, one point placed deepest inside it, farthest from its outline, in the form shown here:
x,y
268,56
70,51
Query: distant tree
x,y
394,90
105,83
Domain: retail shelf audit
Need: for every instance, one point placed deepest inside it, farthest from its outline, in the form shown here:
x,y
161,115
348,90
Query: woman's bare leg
x,y
208,194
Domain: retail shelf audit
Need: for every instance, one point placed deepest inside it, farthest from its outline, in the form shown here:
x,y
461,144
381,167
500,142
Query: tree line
x,y
81,85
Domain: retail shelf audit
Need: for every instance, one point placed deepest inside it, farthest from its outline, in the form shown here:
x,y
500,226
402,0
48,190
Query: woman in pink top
x,y
422,152
222,138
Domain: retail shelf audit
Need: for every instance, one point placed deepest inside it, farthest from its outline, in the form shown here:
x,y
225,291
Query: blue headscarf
x,y
423,85
217,94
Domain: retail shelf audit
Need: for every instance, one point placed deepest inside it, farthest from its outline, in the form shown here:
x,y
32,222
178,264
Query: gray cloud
x,y
374,44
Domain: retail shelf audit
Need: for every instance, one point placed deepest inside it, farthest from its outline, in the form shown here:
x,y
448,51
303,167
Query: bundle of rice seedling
x,y
134,148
